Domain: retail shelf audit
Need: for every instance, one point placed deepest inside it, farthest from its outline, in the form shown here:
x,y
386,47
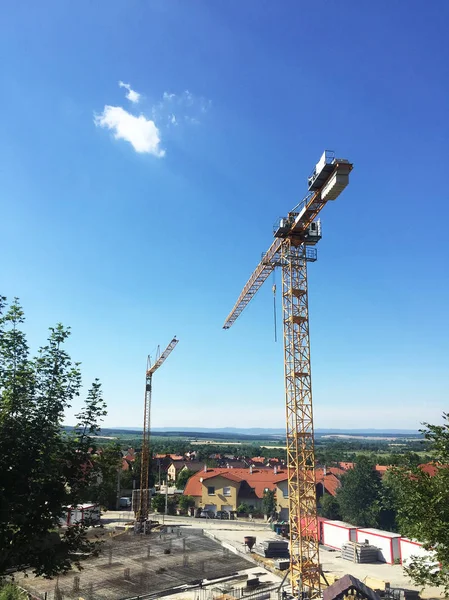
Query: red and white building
x,y
411,548
335,533
81,513
389,543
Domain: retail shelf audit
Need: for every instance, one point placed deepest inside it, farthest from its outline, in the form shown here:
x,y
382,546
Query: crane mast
x,y
291,249
144,496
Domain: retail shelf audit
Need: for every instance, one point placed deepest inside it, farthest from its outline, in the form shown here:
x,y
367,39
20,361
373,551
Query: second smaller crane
x,y
144,496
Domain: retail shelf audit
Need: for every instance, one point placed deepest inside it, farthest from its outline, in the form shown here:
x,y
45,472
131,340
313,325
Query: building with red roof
x,y
218,489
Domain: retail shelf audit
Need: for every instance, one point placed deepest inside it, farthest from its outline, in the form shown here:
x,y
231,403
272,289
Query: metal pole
x,y
118,488
166,497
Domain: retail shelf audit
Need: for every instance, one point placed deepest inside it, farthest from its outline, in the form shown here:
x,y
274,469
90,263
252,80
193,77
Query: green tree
x,y
158,503
387,518
186,502
172,503
183,477
422,503
359,496
330,508
43,467
269,502
108,462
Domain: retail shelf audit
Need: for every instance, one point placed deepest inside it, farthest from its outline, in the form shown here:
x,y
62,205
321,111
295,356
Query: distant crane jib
x,y
163,356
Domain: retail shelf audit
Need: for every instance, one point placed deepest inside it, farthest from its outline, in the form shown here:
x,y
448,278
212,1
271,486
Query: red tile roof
x,y
381,469
259,479
172,456
336,471
346,465
431,469
330,480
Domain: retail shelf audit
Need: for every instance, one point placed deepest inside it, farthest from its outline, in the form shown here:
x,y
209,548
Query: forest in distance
x,y
383,448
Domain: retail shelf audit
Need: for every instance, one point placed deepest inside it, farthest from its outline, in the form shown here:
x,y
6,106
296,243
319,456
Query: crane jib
x,y
163,356
297,226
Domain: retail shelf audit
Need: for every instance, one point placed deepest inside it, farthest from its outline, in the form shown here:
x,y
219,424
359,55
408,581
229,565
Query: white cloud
x,y
174,109
132,95
140,132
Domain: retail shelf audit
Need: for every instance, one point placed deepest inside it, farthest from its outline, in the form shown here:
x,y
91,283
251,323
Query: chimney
x,y
324,471
275,470
205,468
251,469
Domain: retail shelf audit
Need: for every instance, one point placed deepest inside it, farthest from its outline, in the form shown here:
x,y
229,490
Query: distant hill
x,y
258,431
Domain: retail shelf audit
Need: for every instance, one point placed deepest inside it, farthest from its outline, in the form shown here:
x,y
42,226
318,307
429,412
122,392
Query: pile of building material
x,y
272,549
360,552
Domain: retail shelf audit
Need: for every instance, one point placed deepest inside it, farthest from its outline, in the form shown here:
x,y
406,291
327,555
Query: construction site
x,y
142,558
169,562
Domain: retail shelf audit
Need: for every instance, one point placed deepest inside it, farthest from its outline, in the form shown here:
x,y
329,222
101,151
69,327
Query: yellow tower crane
x,y
144,496
291,249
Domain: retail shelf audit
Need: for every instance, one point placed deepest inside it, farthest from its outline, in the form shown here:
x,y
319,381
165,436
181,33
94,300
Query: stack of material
x,y
282,564
359,553
273,549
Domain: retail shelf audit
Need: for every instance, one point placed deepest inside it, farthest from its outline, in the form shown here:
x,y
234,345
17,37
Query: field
x,y
330,446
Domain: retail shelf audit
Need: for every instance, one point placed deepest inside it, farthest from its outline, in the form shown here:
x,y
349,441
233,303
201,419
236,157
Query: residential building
x,y
225,489
176,466
326,482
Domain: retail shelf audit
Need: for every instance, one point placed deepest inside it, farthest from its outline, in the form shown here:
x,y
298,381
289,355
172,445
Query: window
x,y
211,490
285,492
226,491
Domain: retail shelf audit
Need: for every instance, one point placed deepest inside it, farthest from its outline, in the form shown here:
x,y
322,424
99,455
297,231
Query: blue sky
x,y
131,240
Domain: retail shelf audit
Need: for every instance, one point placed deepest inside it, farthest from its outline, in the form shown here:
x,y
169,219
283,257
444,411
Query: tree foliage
x,y
269,502
422,504
183,477
185,502
107,463
43,469
330,508
158,503
359,496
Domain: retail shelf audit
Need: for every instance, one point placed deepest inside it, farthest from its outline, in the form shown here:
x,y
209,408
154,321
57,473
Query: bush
x,y
158,503
11,592
185,502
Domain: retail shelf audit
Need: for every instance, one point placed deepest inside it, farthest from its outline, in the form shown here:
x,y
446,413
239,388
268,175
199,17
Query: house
x,y
176,466
346,465
168,456
326,482
128,459
233,464
257,461
225,489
